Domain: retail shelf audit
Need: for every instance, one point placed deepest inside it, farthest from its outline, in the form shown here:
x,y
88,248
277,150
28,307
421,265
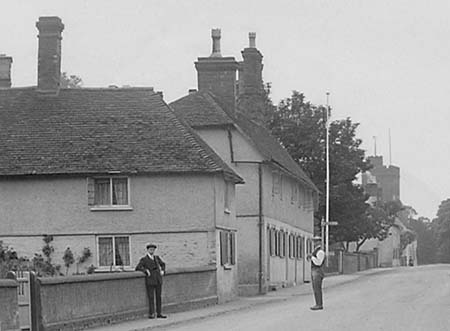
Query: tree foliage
x,y
301,128
441,225
70,81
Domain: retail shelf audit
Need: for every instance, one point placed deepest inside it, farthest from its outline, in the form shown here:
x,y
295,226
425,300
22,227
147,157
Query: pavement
x,y
239,305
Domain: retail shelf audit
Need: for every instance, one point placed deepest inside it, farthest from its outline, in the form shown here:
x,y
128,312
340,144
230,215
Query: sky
x,y
385,63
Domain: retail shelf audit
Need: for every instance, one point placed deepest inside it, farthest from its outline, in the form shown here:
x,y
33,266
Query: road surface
x,y
414,298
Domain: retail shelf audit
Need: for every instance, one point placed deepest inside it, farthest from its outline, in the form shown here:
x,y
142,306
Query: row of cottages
x,y
275,206
113,168
110,169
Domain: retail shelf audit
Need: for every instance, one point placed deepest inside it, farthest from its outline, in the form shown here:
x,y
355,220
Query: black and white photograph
x,y
224,165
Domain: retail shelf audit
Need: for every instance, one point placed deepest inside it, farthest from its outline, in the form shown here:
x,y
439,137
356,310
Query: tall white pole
x,y
390,148
327,204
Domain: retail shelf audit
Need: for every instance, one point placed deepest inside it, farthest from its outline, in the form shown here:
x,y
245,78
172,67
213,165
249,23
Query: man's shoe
x,y
161,316
316,307
152,316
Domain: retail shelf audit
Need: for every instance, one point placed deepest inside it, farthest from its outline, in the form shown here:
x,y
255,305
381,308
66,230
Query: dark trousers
x,y
317,278
154,291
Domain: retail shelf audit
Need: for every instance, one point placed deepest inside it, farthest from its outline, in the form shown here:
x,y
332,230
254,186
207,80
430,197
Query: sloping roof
x,y
202,109
271,148
82,131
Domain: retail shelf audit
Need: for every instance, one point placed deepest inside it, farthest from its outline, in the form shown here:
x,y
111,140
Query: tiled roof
x,y
201,109
82,131
271,148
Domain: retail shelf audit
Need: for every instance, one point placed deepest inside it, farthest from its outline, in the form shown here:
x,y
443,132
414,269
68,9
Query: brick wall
x,y
9,308
77,302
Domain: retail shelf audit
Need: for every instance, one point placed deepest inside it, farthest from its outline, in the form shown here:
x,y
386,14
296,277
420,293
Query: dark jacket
x,y
154,267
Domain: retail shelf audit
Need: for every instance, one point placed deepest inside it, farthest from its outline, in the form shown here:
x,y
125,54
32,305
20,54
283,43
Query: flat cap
x,y
150,245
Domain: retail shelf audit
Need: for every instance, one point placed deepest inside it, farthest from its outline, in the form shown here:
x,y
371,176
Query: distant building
x,y
387,178
382,183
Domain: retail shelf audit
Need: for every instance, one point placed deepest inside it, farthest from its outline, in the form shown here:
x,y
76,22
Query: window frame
x,y
114,266
272,235
227,199
291,246
276,184
227,252
294,193
282,243
97,207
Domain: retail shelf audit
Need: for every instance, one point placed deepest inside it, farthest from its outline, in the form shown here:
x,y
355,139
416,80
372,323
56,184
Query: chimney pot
x,y
217,74
252,39
49,54
5,71
215,34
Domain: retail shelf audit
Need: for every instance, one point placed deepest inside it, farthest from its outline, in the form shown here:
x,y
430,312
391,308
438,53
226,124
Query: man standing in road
x,y
317,258
154,268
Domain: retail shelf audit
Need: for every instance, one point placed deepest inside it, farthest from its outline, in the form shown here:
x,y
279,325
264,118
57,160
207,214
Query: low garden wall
x,y
347,263
78,302
350,263
9,307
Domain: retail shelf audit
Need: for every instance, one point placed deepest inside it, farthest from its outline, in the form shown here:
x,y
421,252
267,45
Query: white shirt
x,y
153,258
318,259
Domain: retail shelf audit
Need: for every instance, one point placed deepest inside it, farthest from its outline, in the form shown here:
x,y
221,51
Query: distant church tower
x,y
387,179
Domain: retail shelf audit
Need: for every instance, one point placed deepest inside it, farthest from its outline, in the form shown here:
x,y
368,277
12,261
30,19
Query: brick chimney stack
x,y
215,35
217,74
250,75
252,100
49,54
5,71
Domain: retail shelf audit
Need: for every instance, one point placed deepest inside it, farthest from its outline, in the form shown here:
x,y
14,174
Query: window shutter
x,y
91,191
233,247
223,248
277,243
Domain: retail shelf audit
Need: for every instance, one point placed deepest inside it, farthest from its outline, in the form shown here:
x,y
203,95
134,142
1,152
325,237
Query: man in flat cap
x,y
154,268
317,258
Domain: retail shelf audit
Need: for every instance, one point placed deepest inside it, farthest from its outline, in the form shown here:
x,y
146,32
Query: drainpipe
x,y
261,230
230,142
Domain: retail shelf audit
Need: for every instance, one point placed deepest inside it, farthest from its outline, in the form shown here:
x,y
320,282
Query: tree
x,y
68,259
441,225
301,128
258,107
85,255
426,245
71,81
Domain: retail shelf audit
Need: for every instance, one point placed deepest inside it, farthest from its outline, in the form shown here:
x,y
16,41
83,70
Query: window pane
x,y
227,196
102,193
223,248
120,191
105,251
122,251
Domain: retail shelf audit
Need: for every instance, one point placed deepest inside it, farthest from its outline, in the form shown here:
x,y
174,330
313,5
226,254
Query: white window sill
x,y
227,266
227,211
111,208
113,269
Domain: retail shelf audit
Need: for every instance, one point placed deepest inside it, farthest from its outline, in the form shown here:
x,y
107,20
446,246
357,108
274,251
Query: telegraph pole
x,y
327,203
